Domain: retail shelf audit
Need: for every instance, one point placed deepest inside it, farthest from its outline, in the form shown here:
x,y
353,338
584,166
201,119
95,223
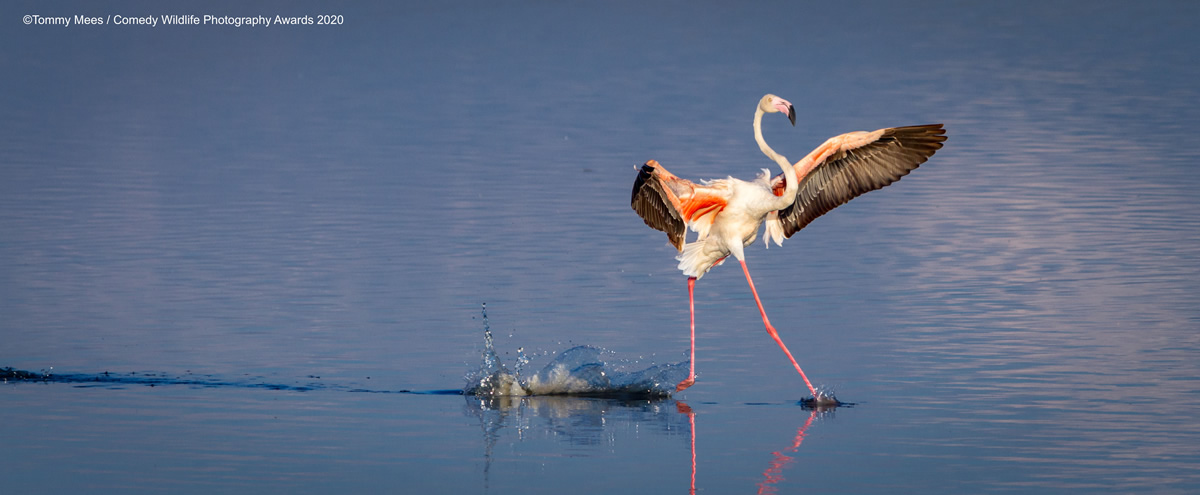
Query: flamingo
x,y
726,213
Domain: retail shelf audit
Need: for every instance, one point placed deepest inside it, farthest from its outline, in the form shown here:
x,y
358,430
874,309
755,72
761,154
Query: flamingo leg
x,y
691,379
774,334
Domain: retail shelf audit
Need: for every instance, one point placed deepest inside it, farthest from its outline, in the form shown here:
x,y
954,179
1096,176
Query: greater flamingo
x,y
726,213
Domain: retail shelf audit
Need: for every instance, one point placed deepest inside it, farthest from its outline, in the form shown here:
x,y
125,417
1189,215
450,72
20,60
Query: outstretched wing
x,y
852,164
670,204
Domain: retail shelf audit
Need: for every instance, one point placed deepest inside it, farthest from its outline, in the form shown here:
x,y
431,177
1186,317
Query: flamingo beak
x,y
785,107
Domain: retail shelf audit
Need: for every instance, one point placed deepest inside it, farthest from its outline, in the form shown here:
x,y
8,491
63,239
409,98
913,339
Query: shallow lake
x,y
270,237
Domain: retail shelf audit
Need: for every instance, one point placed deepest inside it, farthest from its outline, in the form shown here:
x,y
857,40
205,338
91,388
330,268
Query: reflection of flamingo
x,y
726,213
774,472
684,409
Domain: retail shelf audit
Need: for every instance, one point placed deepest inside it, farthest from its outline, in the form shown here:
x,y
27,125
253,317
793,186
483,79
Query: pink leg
x,y
691,379
774,334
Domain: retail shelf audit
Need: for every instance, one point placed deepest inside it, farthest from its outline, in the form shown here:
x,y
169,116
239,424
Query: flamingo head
x,y
772,104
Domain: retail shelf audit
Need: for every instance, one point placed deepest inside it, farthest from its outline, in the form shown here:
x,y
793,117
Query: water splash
x,y
825,399
579,371
493,378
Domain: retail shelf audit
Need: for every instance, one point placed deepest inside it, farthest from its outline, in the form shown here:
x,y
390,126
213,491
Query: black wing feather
x,y
651,202
848,174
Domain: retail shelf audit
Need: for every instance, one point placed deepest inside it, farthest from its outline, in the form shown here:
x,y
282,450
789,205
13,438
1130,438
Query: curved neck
x,y
789,192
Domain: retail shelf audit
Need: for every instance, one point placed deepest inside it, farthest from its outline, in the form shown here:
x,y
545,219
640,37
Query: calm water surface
x,y
327,207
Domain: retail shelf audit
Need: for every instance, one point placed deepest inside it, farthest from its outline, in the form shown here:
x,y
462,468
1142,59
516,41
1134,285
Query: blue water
x,y
325,208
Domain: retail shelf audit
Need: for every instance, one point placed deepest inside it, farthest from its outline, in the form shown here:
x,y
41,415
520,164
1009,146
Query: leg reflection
x,y
774,472
684,409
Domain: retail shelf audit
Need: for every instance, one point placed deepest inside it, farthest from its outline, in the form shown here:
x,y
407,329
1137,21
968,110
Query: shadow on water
x,y
150,379
154,379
